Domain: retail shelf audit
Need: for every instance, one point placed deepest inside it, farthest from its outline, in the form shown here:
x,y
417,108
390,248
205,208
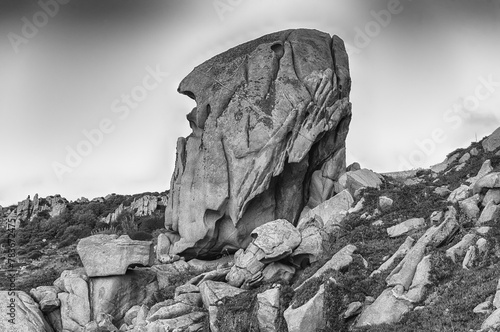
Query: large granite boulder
x,y
268,133
106,255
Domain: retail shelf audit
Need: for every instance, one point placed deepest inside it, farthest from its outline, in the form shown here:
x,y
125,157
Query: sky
x,y
425,81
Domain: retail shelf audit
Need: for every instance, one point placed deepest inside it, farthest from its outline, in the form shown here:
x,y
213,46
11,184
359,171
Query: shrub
x,y
141,236
38,278
78,231
35,254
152,223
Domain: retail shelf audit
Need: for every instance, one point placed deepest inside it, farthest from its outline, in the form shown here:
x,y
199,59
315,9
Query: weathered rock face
x,y
269,132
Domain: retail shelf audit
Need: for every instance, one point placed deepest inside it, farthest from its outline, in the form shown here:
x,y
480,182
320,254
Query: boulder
x,y
268,305
247,266
490,181
442,191
420,281
172,311
215,275
269,113
131,314
277,239
115,295
492,322
311,247
181,323
459,194
486,169
201,266
470,206
330,213
273,241
490,212
341,259
405,227
163,249
401,252
404,272
106,255
496,299
167,274
388,308
21,313
75,305
211,293
492,195
441,167
384,203
492,143
465,157
46,296
309,317
363,178
278,271
353,309
459,249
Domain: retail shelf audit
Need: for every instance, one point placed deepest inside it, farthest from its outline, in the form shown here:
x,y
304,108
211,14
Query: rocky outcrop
x,y
21,313
106,255
269,132
145,205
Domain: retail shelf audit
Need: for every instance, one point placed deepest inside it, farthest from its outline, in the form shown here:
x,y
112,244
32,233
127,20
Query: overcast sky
x,y
426,80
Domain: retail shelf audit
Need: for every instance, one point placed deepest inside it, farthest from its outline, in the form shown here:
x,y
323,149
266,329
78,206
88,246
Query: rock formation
x,y
268,134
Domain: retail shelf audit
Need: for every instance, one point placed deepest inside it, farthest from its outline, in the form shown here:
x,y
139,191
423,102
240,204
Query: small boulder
x,y
46,296
492,195
470,207
385,203
490,181
490,212
459,194
492,143
405,227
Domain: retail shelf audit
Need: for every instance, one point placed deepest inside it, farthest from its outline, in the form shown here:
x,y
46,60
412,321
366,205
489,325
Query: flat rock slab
x,y
107,255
